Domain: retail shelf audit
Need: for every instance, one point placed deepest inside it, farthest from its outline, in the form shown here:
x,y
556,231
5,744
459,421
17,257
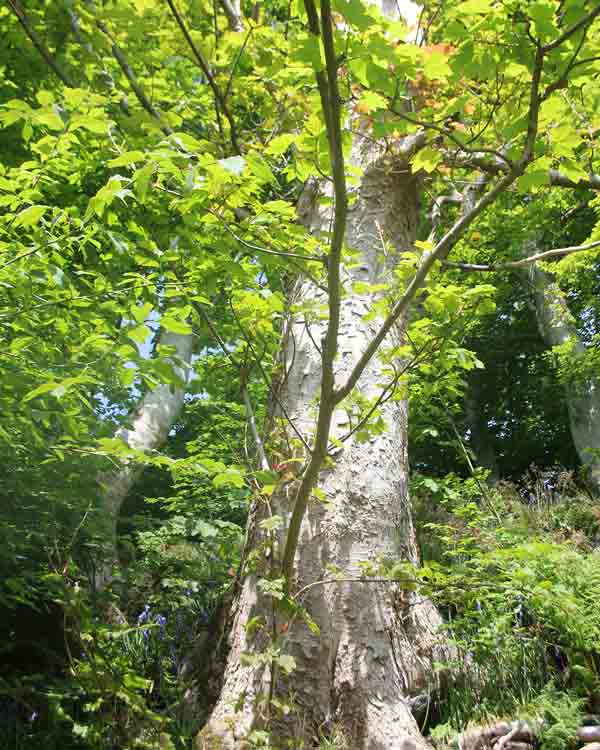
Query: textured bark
x,y
150,423
376,642
557,327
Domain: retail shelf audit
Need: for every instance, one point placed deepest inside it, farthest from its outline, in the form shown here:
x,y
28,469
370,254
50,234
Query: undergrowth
x,y
515,572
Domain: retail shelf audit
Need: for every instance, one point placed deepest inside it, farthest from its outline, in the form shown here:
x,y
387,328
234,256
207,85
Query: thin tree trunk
x,y
557,327
376,642
150,423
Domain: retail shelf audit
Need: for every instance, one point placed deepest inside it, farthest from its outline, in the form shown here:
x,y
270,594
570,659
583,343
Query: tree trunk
x,y
150,423
376,642
557,327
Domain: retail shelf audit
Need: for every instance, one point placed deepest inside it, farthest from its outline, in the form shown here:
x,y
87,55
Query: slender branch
x,y
19,257
236,62
440,252
19,12
266,379
582,23
560,180
220,104
535,101
495,167
90,48
260,448
330,102
563,80
256,248
390,388
585,61
484,489
131,77
450,135
70,299
546,255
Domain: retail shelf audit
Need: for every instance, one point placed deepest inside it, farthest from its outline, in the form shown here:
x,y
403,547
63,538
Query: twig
x,y
582,23
219,98
90,48
557,253
266,379
131,77
260,449
17,9
265,251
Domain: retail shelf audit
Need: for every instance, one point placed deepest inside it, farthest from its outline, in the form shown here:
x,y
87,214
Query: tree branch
x,y
509,265
443,247
330,102
90,48
260,448
257,249
220,104
268,382
131,77
582,23
495,167
446,132
17,9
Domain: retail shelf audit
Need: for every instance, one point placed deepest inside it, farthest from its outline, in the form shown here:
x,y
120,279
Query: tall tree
x,y
558,329
355,668
150,424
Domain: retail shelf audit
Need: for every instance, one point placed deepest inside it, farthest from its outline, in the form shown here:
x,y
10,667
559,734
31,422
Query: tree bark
x,y
376,642
557,327
150,423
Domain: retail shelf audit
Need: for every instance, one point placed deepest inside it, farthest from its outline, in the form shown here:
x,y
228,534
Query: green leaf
x,y
260,168
308,51
93,124
204,529
533,179
474,7
139,334
371,101
271,523
40,390
426,159
542,14
173,325
280,144
435,66
30,216
50,119
231,477
129,157
354,11
287,663
142,179
141,313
